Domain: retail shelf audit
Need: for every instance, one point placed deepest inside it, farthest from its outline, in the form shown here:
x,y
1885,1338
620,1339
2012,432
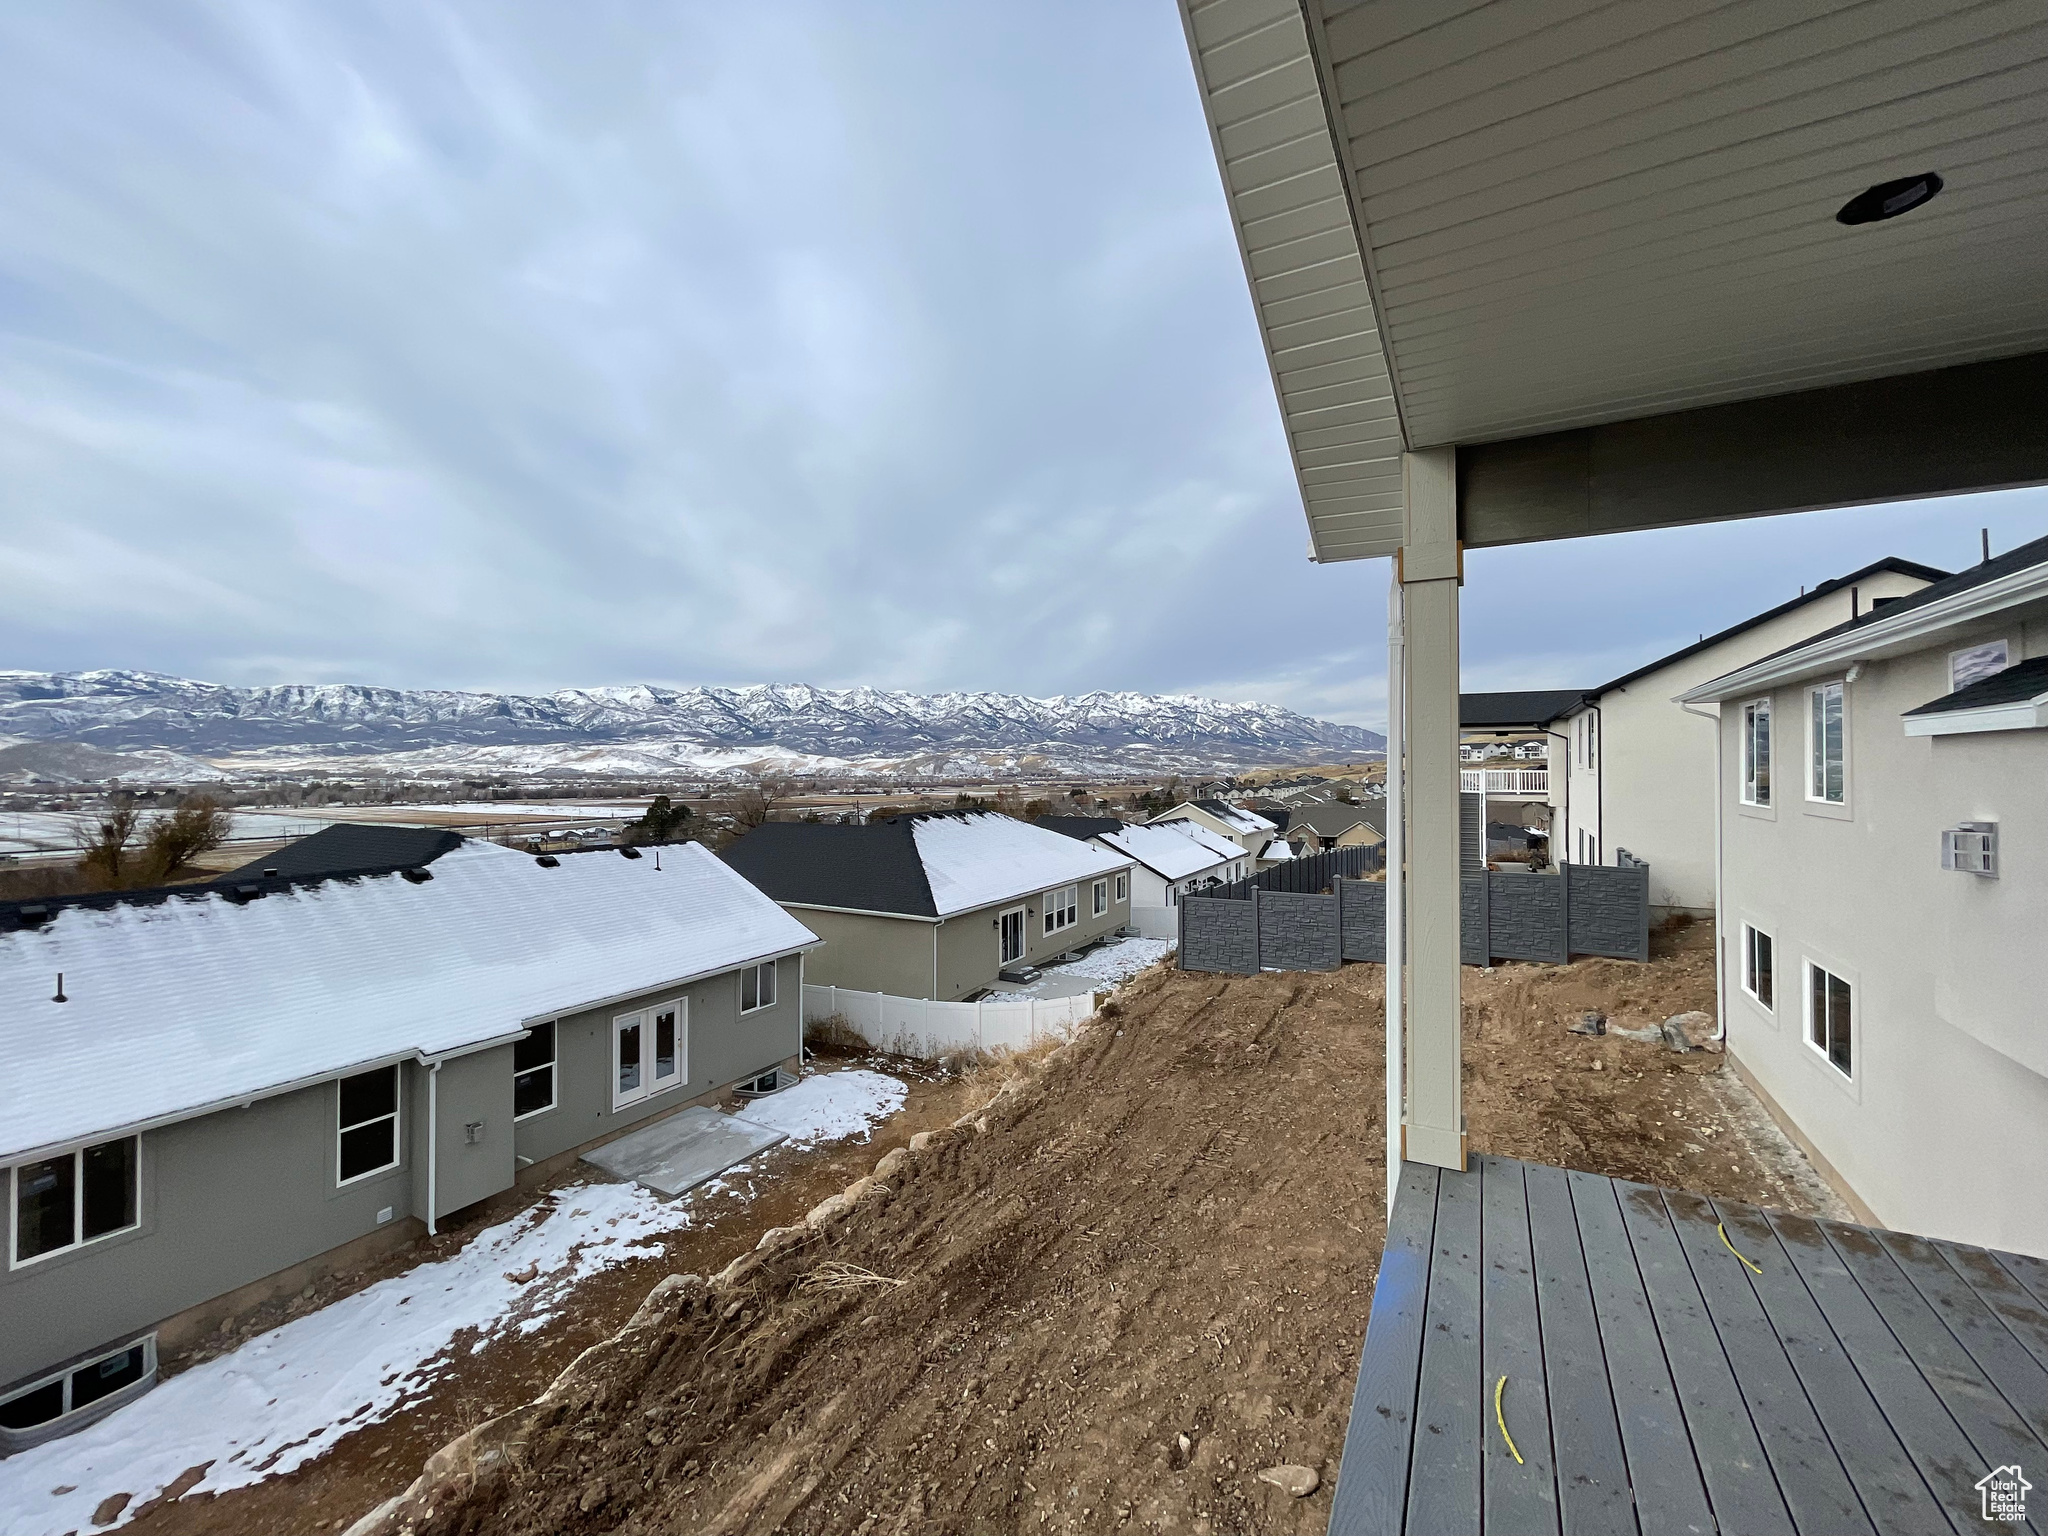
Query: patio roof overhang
x,y
1594,248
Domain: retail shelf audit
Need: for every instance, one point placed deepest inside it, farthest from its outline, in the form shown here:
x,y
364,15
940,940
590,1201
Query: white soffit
x,y
1580,212
1294,226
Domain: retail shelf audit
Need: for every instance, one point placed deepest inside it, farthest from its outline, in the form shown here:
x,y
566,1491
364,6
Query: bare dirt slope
x,y
1147,1279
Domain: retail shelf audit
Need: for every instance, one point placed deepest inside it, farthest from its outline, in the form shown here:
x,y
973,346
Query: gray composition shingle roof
x,y
2027,680
1525,710
1080,828
353,848
870,868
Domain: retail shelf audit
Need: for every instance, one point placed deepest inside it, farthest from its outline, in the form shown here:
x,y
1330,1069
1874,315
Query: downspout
x,y
1397,874
1599,782
433,1141
1720,932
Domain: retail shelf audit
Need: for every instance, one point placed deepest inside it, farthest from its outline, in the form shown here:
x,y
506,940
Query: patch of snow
x,y
288,1396
1119,961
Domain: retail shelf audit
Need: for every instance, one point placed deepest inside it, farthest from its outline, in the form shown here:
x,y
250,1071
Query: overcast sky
x,y
532,346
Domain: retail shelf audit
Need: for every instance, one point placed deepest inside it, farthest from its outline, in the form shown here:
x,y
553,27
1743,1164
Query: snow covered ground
x,y
289,1396
1113,964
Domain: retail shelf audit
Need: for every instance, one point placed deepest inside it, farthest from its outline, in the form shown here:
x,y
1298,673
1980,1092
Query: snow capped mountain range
x,y
642,730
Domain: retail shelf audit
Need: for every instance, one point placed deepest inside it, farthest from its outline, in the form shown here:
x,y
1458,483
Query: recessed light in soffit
x,y
1889,199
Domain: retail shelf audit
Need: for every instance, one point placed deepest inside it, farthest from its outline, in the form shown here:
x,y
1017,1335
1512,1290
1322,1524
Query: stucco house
x,y
936,905
234,1089
1884,903
1319,828
1248,829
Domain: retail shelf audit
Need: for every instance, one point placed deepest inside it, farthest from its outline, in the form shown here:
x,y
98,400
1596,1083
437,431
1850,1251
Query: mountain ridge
x,y
649,728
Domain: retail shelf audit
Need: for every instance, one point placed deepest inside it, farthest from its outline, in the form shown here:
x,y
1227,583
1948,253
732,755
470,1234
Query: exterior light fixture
x,y
1889,199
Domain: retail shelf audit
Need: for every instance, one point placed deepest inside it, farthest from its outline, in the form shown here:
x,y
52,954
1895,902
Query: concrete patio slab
x,y
682,1151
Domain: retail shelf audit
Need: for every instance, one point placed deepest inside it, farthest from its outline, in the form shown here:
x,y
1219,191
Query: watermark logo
x,y
2005,1495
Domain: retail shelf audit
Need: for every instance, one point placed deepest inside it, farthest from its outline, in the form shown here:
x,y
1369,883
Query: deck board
x,y
1518,1495
1592,1473
1816,1489
1663,1471
1842,1380
1372,1479
1443,1479
1894,1495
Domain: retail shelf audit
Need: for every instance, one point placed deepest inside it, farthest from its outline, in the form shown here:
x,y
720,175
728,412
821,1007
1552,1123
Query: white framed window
x,y
365,1124
1756,752
1062,909
757,987
1830,1018
1101,894
1974,663
1757,968
650,1051
1011,924
77,1387
533,1072
1123,887
1827,745
77,1197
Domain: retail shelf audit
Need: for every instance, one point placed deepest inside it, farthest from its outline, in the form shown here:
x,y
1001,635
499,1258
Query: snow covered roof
x,y
1277,848
196,1002
1173,850
972,861
1234,817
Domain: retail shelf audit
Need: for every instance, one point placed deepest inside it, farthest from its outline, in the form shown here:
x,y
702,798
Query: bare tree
x,y
198,826
106,841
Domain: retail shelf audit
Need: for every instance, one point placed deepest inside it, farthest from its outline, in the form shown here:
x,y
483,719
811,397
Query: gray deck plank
x,y
1669,1494
2032,1273
1918,1411
2016,1306
1520,1497
1977,1405
1989,1343
1443,1480
1894,1494
1592,1473
1372,1479
1739,1477
1810,1475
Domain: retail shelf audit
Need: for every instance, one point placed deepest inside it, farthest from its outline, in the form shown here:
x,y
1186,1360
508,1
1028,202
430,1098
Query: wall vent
x,y
1971,849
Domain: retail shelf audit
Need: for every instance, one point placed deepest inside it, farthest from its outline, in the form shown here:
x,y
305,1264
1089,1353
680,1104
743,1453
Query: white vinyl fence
x,y
915,1026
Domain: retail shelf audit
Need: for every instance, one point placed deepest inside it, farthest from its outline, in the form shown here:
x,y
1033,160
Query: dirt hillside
x,y
1143,1282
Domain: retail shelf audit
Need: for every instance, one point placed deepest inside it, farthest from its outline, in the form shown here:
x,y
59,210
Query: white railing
x,y
1504,781
917,1026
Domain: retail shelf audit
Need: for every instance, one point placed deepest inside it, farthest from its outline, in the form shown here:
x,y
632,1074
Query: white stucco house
x,y
1246,828
1883,815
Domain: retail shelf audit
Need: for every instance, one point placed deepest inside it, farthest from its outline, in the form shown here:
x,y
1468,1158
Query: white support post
x,y
1396,850
1431,568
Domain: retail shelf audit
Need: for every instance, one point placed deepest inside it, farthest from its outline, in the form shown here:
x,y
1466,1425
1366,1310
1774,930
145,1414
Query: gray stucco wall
x,y
226,1200
725,1047
473,1089
869,953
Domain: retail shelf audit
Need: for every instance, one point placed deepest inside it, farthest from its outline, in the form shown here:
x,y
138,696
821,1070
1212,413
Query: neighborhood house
x,y
1174,857
936,905
217,1093
1248,829
1884,902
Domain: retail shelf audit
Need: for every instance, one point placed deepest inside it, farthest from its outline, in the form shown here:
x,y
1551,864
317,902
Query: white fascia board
x,y
1910,631
2020,715
819,906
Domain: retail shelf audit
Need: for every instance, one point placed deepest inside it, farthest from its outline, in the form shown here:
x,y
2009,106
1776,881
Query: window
x,y
1012,930
533,1072
757,986
650,1051
75,1198
79,1387
1062,909
1976,663
1756,964
1123,887
1756,752
1826,745
366,1129
1101,894
1828,1016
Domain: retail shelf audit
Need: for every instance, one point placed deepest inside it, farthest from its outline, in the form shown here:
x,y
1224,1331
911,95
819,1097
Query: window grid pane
x,y
109,1188
1817,1005
45,1206
366,1148
750,988
533,1091
768,984
664,1044
536,1050
369,1096
1838,1022
1763,968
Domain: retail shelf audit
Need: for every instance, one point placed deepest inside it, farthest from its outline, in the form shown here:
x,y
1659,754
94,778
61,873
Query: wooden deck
x,y
1842,1380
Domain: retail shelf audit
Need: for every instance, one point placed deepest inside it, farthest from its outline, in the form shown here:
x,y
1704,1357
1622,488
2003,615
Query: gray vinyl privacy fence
x,y
1578,909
